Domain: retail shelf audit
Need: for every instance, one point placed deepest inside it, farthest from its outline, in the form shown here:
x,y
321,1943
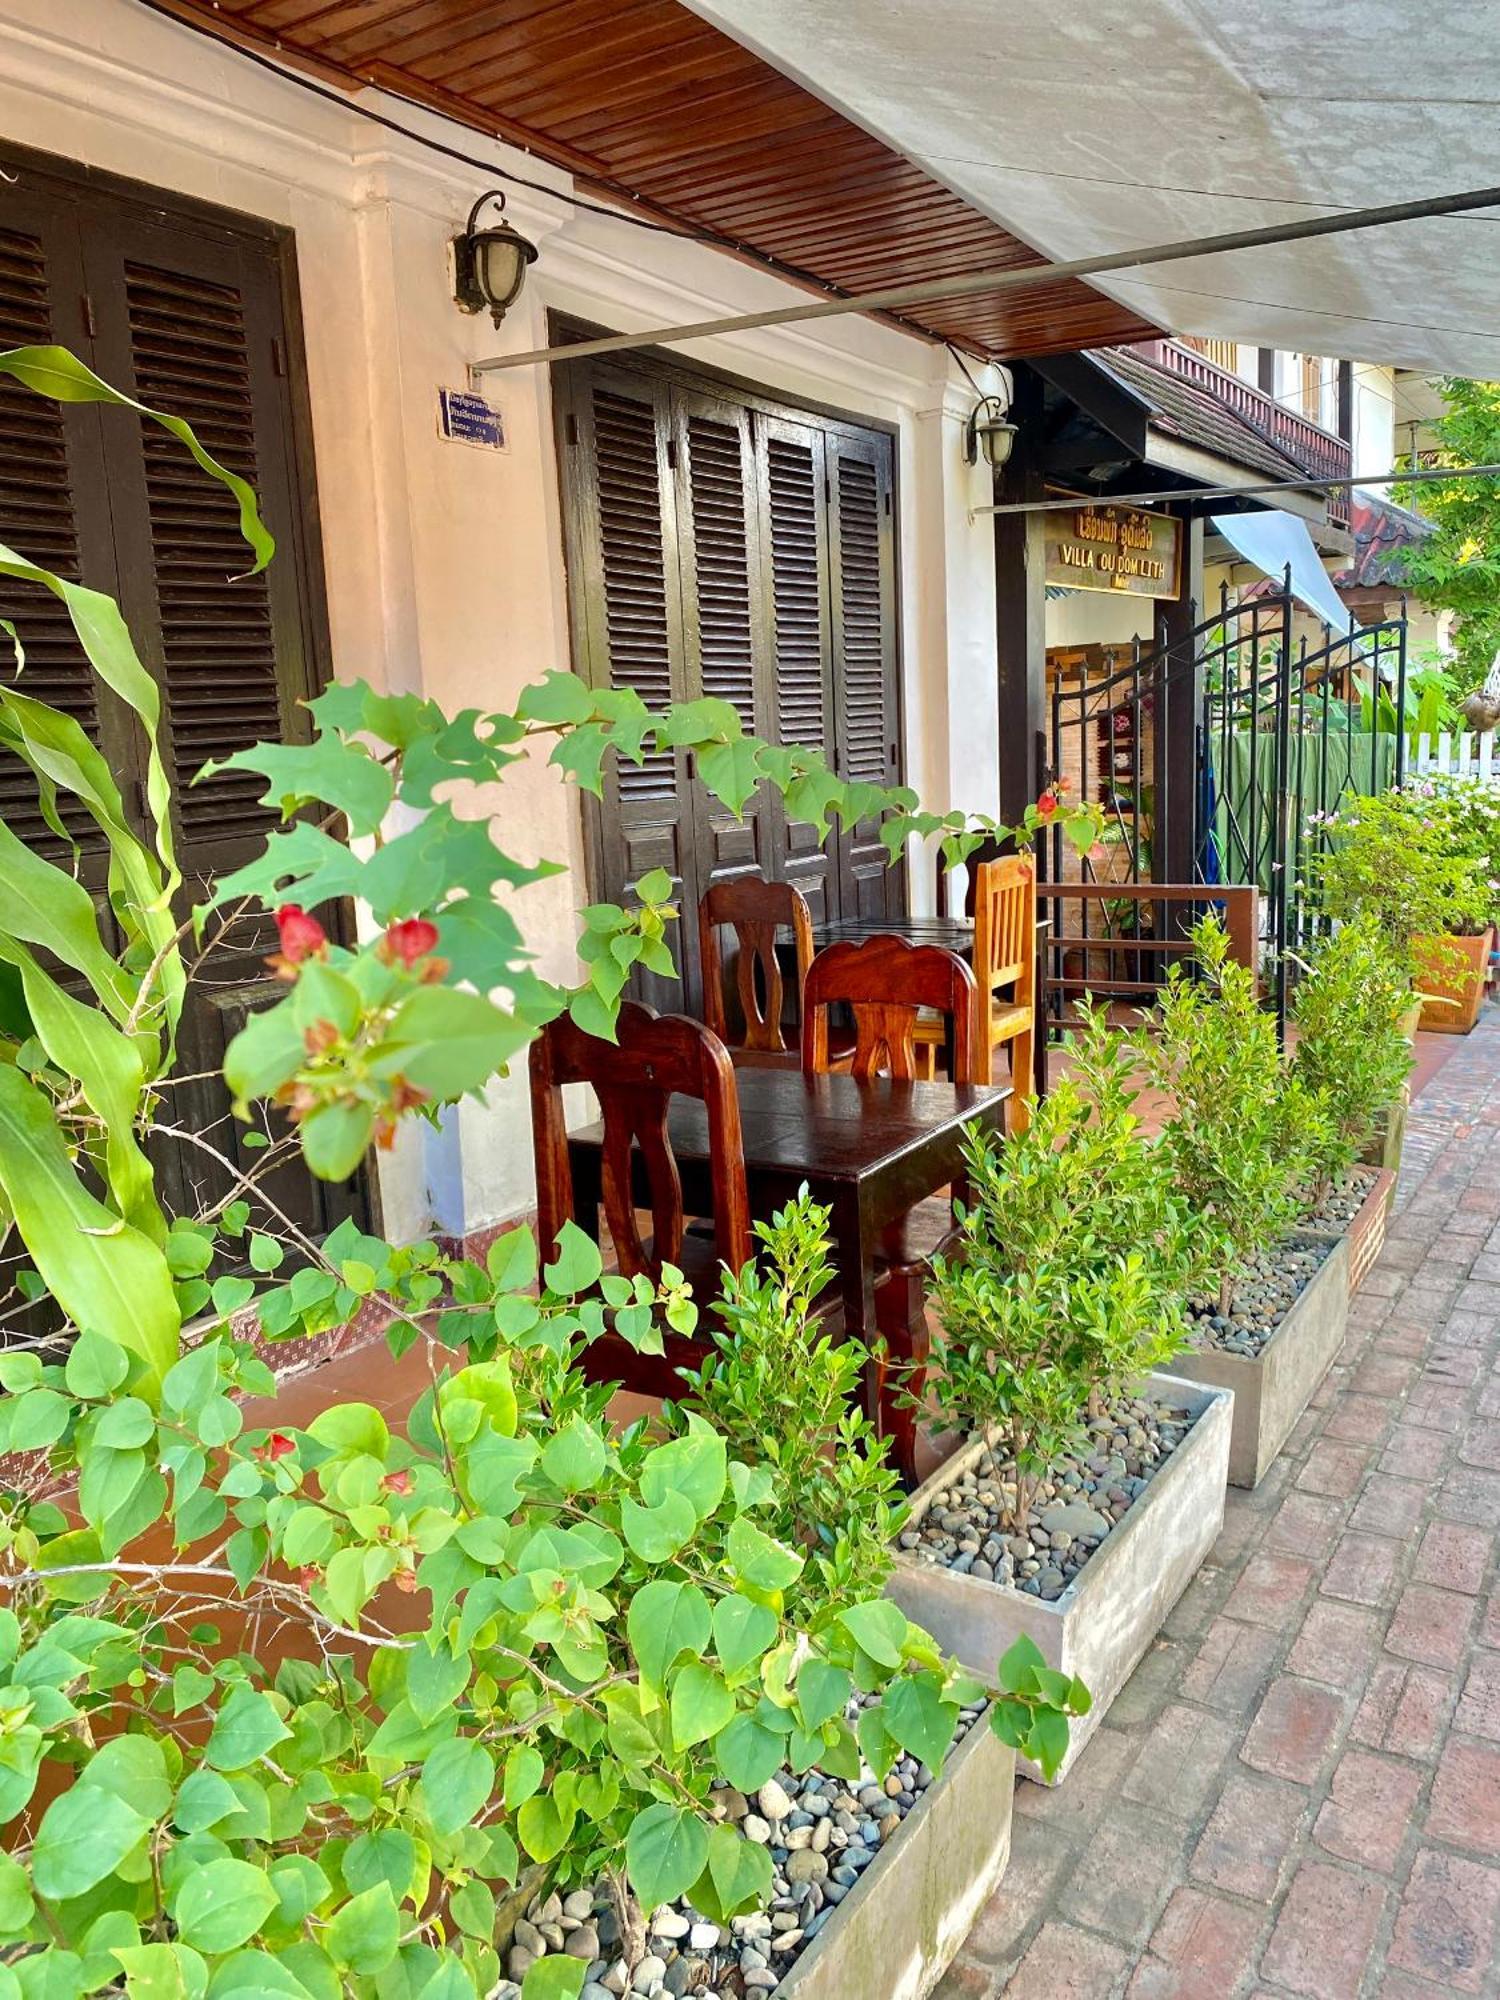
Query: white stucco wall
x,y
444,563
1374,442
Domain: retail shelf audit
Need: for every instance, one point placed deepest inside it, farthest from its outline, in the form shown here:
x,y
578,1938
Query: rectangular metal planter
x,y
1365,1230
896,1932
1108,1615
1273,1390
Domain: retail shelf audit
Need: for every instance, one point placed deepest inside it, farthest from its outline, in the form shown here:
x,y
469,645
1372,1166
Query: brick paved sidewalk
x,y
1298,1792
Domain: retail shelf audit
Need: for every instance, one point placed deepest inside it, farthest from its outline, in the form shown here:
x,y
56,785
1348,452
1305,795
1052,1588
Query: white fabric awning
x,y
1277,542
1084,129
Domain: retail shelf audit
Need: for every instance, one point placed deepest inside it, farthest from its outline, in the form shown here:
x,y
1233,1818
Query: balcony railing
x,y
1324,454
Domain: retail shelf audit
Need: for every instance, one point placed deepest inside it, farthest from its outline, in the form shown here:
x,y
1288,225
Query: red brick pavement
x,y
1297,1795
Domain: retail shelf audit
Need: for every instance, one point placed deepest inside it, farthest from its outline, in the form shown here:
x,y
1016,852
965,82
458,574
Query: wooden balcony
x,y
1322,453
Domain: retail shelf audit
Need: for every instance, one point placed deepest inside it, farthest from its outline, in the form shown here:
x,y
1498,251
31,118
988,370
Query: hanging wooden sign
x,y
1114,548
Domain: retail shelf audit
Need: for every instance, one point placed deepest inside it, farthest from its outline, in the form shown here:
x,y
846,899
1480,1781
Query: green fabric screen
x,y
1318,775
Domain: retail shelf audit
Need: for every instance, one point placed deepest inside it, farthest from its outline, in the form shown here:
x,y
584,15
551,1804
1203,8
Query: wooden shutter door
x,y
793,480
191,319
54,510
866,685
724,617
627,607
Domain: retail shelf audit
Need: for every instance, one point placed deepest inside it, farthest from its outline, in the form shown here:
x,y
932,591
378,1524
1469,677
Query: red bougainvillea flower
x,y
1047,804
400,1482
302,937
277,1445
408,941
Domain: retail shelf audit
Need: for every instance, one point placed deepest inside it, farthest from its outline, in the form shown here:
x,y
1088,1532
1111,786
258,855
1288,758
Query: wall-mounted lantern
x,y
989,430
489,265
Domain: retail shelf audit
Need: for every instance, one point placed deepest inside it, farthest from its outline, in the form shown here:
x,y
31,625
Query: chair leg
x,y
1022,1050
901,1364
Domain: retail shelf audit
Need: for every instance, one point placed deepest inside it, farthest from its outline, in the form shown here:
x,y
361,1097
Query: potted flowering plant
x,y
1426,878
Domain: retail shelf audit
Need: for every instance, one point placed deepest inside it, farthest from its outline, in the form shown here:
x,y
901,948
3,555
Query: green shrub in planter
x,y
788,1396
1243,1132
1069,1283
1351,1054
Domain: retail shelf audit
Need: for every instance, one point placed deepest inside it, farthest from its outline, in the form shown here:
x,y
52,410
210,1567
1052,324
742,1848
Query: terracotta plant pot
x,y
1451,971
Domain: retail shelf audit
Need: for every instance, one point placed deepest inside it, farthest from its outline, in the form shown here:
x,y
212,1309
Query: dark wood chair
x,y
755,910
657,1057
889,984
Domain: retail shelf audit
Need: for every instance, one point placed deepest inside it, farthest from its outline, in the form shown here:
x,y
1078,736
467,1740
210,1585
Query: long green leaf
x,y
105,638
85,1044
61,757
44,906
107,1277
54,372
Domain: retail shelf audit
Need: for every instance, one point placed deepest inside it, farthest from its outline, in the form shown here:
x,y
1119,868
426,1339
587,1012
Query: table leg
x,y
890,1324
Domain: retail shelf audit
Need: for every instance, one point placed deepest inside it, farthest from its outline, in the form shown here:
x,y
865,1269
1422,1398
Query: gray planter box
x,y
1273,1390
896,1932
1108,1615
1364,1233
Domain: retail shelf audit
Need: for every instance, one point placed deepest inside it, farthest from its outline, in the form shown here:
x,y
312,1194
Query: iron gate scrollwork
x,y
1287,718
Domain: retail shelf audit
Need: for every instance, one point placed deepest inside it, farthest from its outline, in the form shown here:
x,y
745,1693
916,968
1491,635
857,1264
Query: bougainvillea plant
x,y
284,1707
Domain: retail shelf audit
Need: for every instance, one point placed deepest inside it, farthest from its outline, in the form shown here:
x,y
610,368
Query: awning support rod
x,y
1422,475
1006,279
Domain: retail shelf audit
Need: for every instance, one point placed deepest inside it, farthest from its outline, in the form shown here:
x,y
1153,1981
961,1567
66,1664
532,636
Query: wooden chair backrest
x,y
884,980
1005,925
658,1056
755,909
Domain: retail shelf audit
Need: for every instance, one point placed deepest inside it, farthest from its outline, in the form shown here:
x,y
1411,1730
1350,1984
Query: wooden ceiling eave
x,y
647,105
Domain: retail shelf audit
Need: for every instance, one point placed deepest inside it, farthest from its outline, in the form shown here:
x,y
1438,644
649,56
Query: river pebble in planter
x,y
822,1833
1088,1492
1343,1201
1268,1288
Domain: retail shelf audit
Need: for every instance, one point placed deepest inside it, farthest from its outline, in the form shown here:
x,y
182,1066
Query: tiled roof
x,y
1381,530
1180,409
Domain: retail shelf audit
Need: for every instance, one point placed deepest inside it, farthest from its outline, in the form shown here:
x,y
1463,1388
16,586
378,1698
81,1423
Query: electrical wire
x,y
1418,476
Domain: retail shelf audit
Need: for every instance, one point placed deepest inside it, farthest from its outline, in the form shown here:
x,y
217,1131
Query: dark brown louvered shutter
x,y
725,635
723,544
866,684
53,511
190,317
627,605
796,542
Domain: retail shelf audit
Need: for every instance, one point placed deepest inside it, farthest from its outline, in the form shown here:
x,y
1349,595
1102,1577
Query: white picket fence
x,y
1464,755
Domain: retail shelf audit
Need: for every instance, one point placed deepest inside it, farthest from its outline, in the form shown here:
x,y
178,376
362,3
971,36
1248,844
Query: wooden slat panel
x,y
865,671
218,645
635,576
37,519
642,97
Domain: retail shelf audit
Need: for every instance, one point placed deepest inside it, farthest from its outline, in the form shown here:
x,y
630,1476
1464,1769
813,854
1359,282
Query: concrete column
x,y
1180,703
1021,608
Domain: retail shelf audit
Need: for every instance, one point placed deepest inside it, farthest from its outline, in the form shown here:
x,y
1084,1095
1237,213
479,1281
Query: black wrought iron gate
x,y
1247,731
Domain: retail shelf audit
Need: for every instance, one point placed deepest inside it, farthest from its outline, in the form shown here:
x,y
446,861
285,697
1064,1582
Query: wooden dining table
x,y
868,1150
